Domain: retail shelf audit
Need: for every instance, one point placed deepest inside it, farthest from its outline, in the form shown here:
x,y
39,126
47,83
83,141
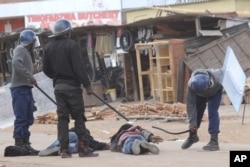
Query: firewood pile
x,y
145,110
154,110
48,118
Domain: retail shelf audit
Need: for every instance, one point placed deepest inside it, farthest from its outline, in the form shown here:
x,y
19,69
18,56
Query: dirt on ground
x,y
234,135
234,127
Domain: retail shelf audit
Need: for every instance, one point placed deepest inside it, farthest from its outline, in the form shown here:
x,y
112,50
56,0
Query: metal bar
x,y
243,115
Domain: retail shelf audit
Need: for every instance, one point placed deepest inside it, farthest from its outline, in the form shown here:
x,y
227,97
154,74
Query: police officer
x,y
62,62
204,88
22,82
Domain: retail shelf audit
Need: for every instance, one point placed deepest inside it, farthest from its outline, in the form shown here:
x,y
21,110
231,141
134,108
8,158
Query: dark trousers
x,y
22,102
70,102
213,103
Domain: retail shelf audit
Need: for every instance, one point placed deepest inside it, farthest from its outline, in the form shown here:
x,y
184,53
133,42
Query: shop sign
x,y
78,19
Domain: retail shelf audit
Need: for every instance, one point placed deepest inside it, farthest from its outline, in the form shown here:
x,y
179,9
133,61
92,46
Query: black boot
x,y
213,144
193,138
19,142
19,150
28,146
85,151
65,154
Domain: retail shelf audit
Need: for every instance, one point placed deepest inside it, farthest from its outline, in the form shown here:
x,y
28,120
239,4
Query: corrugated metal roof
x,y
198,12
196,42
209,52
178,21
183,17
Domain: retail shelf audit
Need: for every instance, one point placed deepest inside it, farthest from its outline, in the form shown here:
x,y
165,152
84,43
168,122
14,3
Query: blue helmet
x,y
27,37
61,27
200,82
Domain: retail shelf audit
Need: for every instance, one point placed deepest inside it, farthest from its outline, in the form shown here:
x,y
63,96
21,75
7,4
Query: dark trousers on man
x,y
70,103
213,104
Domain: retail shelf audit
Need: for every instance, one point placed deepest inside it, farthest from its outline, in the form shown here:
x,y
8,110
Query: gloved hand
x,y
156,139
89,91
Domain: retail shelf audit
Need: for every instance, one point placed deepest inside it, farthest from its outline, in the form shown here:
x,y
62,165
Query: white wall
x,y
61,6
145,3
56,6
64,6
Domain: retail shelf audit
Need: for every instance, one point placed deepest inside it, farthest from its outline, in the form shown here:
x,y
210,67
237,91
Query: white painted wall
x,y
43,12
145,3
61,6
57,6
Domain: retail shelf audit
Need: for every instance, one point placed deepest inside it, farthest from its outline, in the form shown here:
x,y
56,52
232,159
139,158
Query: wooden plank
x,y
162,72
180,81
138,58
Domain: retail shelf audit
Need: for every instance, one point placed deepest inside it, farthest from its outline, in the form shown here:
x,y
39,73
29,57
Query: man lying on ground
x,y
53,149
132,139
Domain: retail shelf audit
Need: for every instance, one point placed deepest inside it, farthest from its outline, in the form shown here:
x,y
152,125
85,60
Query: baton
x,y
110,106
172,133
46,94
93,94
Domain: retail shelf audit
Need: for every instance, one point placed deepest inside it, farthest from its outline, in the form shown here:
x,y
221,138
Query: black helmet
x,y
61,27
27,37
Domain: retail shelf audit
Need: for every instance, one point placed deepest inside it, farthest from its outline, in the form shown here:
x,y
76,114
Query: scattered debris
x,y
154,109
49,118
145,110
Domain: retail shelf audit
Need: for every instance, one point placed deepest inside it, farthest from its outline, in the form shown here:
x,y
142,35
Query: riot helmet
x,y
200,82
61,27
27,37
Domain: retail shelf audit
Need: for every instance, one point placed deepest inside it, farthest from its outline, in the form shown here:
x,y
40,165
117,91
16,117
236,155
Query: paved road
x,y
170,155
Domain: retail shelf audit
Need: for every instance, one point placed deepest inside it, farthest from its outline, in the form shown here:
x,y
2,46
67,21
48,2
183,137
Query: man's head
x,y
27,37
61,28
200,82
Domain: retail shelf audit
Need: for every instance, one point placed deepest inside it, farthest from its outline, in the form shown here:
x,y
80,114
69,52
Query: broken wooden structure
x,y
136,111
163,59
